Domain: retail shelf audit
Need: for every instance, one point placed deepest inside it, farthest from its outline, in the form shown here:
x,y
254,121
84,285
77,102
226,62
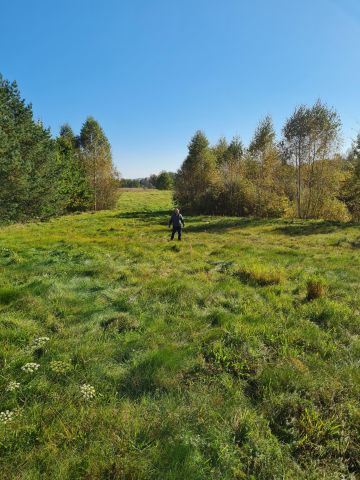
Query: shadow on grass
x,y
141,380
312,228
153,374
146,215
355,243
219,225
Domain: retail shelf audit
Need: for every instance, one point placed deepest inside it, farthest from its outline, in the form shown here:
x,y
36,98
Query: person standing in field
x,y
177,222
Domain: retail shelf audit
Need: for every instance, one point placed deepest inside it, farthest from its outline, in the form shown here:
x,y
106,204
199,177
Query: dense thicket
x,y
301,175
41,176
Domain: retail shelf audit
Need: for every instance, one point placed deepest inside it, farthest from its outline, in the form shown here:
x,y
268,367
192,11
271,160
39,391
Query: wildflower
x,y
39,342
7,416
87,391
57,366
30,367
13,386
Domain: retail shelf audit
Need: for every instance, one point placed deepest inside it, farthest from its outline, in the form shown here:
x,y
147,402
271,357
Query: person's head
x,y
177,211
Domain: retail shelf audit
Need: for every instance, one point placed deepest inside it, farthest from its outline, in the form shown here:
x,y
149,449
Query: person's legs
x,y
179,233
173,233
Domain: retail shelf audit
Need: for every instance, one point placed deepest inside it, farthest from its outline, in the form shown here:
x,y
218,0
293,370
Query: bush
x,y
334,209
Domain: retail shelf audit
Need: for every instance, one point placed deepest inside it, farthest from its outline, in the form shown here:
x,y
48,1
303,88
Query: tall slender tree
x,y
311,134
96,155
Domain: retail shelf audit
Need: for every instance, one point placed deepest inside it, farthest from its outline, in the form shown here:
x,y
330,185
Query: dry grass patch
x,y
316,288
260,275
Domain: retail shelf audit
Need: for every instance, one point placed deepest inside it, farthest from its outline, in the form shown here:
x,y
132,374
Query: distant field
x,y
205,359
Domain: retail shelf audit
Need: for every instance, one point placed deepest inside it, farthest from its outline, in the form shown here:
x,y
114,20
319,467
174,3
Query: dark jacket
x,y
176,220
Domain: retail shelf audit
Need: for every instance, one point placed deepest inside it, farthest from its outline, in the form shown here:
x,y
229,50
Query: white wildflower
x,y
30,367
7,416
58,366
39,342
13,386
87,391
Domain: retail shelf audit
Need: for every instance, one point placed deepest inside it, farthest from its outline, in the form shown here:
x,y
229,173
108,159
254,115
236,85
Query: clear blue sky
x,y
154,71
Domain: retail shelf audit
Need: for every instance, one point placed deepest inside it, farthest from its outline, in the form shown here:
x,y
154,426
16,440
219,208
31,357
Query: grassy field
x,y
231,355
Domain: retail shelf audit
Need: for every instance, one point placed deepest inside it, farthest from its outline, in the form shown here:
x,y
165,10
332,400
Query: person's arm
x,y
182,220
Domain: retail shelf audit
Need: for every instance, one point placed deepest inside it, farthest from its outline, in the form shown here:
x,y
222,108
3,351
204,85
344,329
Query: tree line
x,y
163,181
41,176
303,174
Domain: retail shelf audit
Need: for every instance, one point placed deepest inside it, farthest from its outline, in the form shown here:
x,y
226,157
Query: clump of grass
x,y
317,434
120,323
316,288
259,275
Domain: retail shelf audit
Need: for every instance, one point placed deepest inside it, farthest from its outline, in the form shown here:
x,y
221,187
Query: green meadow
x,y
233,354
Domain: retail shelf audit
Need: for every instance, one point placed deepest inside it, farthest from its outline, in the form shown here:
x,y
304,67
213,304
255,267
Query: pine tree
x,y
220,150
195,183
27,160
73,187
235,151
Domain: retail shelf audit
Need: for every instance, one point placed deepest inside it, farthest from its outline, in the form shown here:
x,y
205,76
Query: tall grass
x,y
202,362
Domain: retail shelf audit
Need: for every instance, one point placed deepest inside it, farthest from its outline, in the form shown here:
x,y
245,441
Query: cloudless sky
x,y
154,71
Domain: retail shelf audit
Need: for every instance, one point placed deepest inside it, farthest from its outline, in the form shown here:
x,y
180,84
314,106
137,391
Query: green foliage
x,y
302,176
41,177
264,137
311,137
95,152
165,181
221,150
156,363
27,161
130,183
195,184
74,187
235,150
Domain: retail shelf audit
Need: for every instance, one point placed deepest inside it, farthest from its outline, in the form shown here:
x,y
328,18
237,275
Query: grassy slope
x,y
200,371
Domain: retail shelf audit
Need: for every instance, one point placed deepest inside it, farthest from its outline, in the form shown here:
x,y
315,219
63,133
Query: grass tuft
x,y
315,288
259,275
